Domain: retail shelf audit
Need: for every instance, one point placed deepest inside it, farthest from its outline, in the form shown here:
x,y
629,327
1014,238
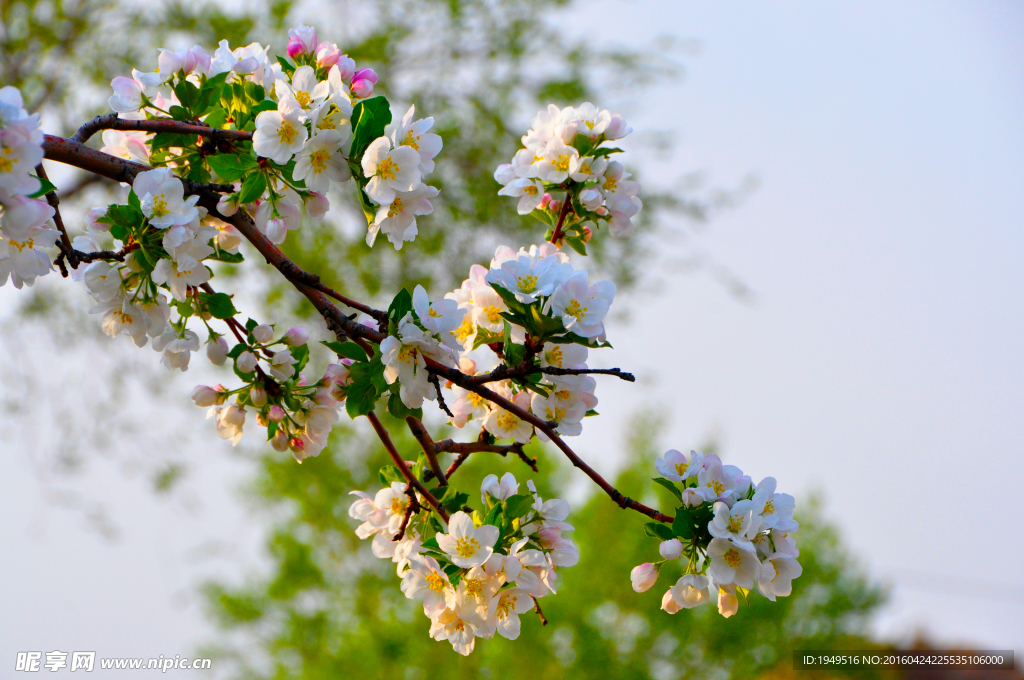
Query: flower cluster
x,y
565,150
298,415
313,127
476,575
25,221
729,533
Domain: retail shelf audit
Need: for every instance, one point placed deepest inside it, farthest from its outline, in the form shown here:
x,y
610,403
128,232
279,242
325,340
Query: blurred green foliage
x,y
326,608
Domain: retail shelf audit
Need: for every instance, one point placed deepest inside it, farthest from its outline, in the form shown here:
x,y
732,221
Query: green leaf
x,y
237,349
431,544
231,167
164,140
591,413
400,306
390,474
219,305
577,244
182,114
301,356
486,337
265,105
670,486
454,574
220,255
518,506
252,188
348,349
682,526
659,530
369,118
453,500
188,96
45,187
492,516
514,305
605,151
362,396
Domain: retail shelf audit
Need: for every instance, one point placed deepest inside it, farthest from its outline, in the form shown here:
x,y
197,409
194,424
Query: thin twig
x,y
385,439
423,437
557,233
410,510
110,121
536,608
440,397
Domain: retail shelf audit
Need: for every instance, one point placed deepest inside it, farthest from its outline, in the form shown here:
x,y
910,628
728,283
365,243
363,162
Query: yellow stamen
x,y
467,547
732,557
388,168
435,582
575,309
528,283
411,141
318,159
286,133
507,421
159,206
302,98
396,207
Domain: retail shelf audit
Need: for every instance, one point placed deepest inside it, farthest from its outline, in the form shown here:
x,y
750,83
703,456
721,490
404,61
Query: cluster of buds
x,y
477,572
729,533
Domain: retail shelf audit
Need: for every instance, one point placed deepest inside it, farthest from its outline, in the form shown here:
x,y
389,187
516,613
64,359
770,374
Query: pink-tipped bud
x,y
588,234
555,206
297,335
644,576
217,350
280,441
261,420
327,54
206,396
295,47
258,397
276,413
365,74
545,200
317,206
296,445
602,211
263,333
361,88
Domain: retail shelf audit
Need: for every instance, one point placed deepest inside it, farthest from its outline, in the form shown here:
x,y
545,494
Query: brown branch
x,y
440,397
110,121
524,369
51,198
411,509
385,439
557,233
429,448
623,501
466,448
617,372
536,608
74,153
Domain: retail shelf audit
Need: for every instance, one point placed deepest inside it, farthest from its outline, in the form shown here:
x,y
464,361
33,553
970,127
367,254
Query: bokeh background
x,y
827,288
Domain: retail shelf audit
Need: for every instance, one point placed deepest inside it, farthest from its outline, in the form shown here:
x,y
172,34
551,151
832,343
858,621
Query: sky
x,y
878,361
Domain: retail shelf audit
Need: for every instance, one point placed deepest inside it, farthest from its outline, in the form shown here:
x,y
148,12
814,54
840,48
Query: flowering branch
x,y
111,121
385,439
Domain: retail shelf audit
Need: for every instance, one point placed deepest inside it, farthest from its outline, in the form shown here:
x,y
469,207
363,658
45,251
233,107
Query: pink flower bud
x,y
296,336
95,214
671,549
361,88
617,128
206,396
258,397
228,205
276,413
555,206
263,333
545,200
295,47
217,350
317,206
280,441
669,604
246,362
588,234
365,74
327,54
644,576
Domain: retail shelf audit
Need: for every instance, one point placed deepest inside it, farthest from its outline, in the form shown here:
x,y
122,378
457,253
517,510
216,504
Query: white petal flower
x,y
644,576
732,565
280,134
690,591
467,545
397,219
500,490
529,191
321,162
415,135
777,574
529,276
163,198
389,170
583,307
425,580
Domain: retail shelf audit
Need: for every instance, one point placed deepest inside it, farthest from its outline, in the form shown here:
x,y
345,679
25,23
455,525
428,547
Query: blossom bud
x,y
298,447
94,215
668,603
728,604
246,362
644,576
228,205
206,396
276,413
217,350
545,200
467,366
302,40
168,63
617,128
280,441
297,335
346,68
228,237
672,549
591,199
691,498
258,396
365,74
277,230
317,206
587,235
555,206
336,374
602,211
327,54
261,420
361,88
263,333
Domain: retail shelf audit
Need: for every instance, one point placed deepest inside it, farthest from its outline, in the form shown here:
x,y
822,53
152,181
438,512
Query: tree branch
x,y
385,439
110,121
429,448
557,233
